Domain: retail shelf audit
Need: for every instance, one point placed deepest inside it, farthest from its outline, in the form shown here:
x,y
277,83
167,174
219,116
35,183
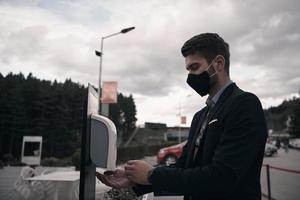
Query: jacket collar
x,y
224,96
216,97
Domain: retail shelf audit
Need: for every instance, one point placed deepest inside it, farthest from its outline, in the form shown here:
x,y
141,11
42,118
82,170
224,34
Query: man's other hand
x,y
137,171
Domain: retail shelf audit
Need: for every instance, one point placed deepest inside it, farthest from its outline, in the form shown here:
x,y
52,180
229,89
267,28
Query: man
x,y
224,152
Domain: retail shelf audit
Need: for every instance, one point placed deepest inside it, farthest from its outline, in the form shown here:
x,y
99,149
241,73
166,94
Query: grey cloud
x,y
147,61
271,45
149,69
251,24
26,43
62,54
20,2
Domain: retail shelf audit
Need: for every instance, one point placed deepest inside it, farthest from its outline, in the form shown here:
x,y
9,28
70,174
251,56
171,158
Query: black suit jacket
x,y
229,160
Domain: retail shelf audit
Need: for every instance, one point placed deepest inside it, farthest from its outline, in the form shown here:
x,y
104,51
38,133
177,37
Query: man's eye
x,y
193,67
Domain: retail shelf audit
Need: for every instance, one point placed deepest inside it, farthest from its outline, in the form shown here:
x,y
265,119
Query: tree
x,y
123,114
294,128
130,113
53,110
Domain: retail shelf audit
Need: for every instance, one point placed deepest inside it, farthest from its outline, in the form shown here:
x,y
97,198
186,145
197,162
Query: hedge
x,y
140,151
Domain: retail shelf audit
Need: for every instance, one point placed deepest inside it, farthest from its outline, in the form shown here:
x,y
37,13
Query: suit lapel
x,y
191,149
223,98
225,95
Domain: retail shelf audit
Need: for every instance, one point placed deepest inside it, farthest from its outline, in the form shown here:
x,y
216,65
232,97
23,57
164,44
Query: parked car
x,y
270,150
169,155
294,143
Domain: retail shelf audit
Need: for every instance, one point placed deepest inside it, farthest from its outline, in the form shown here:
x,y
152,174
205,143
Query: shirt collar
x,y
211,101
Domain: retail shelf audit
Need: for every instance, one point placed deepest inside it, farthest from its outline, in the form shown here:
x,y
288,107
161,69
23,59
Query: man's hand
x,y
137,171
115,179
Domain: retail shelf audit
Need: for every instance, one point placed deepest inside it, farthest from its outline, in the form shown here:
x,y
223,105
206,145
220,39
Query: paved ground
x,y
284,185
9,175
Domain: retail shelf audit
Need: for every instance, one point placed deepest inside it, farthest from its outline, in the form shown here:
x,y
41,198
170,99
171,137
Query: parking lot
x,y
284,185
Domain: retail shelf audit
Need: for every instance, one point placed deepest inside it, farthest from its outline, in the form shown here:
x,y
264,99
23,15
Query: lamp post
x,y
180,116
100,54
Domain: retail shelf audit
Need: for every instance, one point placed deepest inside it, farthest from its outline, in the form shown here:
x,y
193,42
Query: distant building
x,y
156,133
150,133
167,133
173,133
156,126
279,134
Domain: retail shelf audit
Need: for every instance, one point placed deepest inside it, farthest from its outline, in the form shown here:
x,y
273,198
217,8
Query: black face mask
x,y
199,82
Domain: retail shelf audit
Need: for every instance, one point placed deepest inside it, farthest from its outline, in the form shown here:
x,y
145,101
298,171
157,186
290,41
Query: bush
x,y
130,153
17,163
1,164
121,194
151,150
55,162
8,158
50,161
140,151
76,158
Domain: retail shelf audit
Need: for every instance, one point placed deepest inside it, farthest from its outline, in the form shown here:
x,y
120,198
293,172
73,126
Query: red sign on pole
x,y
110,92
183,119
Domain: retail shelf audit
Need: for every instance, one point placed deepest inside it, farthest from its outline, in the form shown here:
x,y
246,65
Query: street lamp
x,y
100,54
180,116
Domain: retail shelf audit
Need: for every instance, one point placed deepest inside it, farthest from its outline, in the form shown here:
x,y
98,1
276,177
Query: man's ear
x,y
219,63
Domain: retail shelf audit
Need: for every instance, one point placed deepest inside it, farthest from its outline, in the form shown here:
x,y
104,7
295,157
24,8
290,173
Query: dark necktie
x,y
210,105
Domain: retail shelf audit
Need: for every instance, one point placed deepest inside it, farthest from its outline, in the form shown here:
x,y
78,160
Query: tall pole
x,y
268,182
180,118
100,54
100,74
179,138
88,168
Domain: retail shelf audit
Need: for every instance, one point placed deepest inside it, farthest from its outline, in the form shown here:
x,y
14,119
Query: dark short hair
x,y
208,45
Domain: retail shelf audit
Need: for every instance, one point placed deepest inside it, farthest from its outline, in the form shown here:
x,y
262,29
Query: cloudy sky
x,y
56,39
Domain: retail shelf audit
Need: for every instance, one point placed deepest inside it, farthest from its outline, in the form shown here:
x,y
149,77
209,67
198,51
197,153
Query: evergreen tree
x,y
123,114
294,128
130,113
34,107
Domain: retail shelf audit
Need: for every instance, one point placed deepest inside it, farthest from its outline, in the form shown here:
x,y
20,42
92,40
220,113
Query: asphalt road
x,y
284,185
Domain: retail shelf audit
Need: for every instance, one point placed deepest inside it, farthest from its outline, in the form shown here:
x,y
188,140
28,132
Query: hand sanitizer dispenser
x,y
103,149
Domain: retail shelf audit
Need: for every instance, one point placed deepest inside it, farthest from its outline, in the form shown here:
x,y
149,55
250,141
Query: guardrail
x,y
268,167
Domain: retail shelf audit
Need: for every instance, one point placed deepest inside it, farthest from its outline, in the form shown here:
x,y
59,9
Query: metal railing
x,y
268,167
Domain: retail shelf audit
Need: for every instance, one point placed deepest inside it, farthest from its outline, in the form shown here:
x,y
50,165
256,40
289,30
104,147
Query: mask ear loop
x,y
213,74
210,66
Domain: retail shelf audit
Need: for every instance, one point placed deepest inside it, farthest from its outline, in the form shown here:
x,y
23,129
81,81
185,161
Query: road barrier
x,y
268,167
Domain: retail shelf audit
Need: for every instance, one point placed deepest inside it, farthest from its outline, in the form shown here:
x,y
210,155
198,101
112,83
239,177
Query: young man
x,y
223,156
